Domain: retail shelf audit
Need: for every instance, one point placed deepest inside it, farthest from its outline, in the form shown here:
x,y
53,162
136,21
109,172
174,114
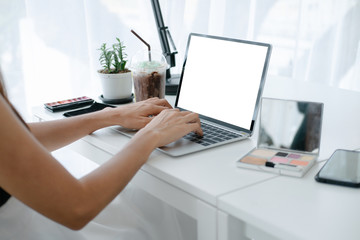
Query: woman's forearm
x,y
54,193
58,133
33,176
104,184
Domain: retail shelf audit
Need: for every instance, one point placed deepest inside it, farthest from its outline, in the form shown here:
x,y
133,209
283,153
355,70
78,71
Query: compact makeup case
x,y
289,137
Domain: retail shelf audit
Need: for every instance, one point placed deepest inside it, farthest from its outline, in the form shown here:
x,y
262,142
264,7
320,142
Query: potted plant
x,y
116,79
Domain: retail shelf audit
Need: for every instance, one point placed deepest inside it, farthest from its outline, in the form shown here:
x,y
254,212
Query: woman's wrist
x,y
106,118
149,137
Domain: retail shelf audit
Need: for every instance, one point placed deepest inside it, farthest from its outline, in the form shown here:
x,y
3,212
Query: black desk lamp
x,y
172,83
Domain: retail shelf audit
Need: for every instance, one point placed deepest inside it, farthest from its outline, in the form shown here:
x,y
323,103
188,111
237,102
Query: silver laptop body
x,y
222,80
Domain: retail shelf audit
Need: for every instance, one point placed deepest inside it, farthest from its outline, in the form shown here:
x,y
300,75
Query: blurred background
x,y
48,49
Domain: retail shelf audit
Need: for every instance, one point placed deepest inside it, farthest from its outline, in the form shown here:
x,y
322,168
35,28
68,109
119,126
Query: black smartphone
x,y
69,104
342,168
93,108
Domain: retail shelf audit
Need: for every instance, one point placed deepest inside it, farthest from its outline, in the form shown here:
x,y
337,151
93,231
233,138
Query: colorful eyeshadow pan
x,y
253,160
306,158
294,156
263,153
299,163
281,154
279,160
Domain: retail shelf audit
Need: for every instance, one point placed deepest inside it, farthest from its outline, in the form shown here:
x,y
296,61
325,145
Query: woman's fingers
x,y
156,109
192,119
160,102
153,106
171,124
188,120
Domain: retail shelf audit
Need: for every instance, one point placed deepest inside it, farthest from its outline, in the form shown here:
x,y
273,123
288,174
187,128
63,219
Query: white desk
x,y
190,183
292,208
199,183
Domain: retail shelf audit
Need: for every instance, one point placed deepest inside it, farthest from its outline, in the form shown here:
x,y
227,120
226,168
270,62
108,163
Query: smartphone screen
x,y
342,168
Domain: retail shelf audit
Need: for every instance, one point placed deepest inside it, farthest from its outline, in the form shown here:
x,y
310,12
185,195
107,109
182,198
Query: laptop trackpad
x,y
125,131
177,148
180,147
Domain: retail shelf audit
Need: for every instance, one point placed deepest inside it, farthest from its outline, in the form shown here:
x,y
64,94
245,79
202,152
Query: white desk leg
x,y
230,228
206,221
204,214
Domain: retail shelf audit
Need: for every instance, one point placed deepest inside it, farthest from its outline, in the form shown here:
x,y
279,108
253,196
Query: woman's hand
x,y
170,125
137,115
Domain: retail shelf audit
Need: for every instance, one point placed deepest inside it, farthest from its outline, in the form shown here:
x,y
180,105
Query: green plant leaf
x,y
115,57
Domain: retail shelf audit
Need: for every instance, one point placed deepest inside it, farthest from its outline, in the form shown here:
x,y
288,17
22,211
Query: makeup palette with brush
x,y
289,137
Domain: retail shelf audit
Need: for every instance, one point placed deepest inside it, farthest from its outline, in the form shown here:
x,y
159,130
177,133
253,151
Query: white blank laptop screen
x,y
221,79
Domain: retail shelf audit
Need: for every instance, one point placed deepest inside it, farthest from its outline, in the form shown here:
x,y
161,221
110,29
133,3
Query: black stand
x,y
164,33
117,101
172,85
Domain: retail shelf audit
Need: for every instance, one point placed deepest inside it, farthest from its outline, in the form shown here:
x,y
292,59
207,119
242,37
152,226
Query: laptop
x,y
222,80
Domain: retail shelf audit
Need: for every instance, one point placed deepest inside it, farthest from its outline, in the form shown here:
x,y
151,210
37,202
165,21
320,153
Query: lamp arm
x,y
164,34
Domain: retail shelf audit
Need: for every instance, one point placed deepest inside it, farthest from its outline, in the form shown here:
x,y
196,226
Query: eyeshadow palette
x,y
289,137
280,162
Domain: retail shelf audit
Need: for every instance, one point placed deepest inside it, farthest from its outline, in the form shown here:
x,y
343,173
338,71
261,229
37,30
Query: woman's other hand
x,y
137,115
170,125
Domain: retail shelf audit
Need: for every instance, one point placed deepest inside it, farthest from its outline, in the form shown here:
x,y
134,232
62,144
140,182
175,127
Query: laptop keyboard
x,y
212,135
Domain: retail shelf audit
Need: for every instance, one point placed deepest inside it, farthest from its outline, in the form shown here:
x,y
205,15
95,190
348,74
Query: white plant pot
x,y
116,86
